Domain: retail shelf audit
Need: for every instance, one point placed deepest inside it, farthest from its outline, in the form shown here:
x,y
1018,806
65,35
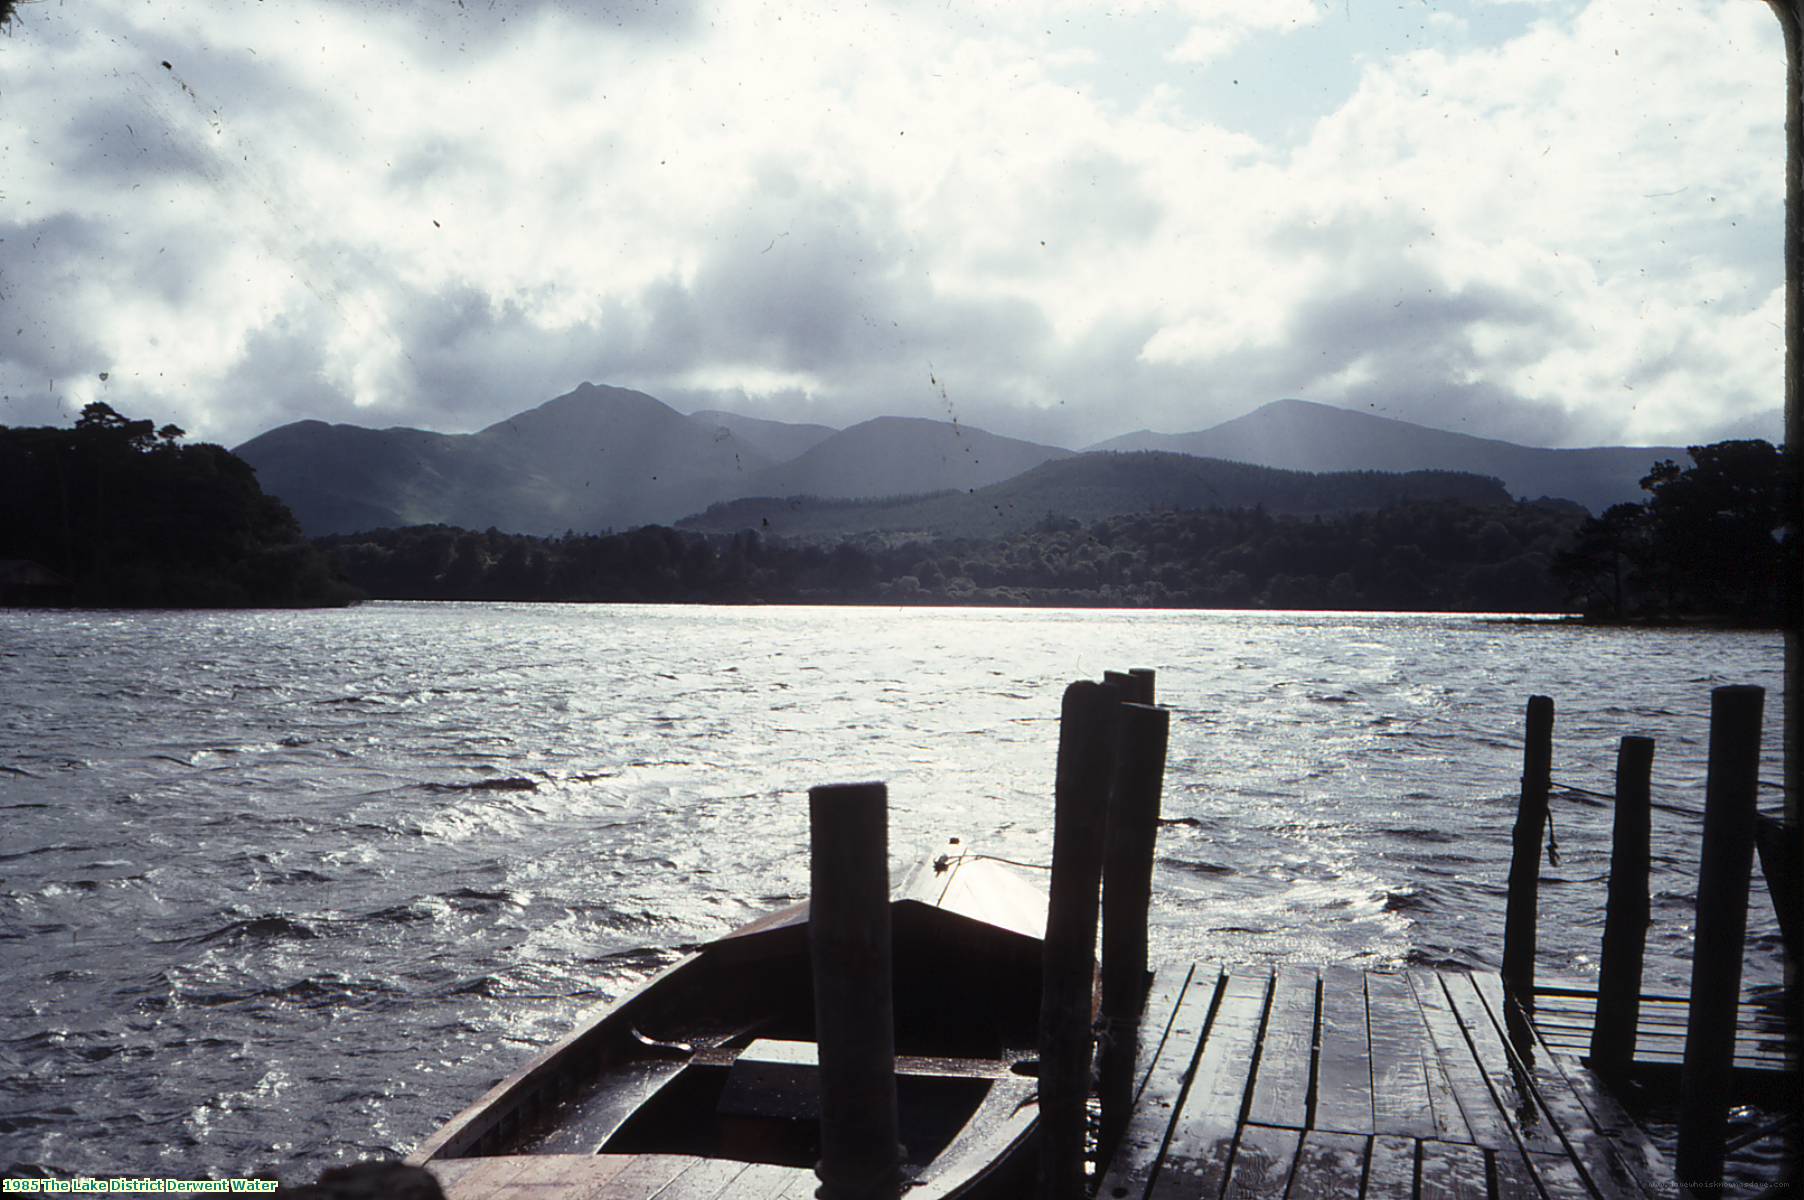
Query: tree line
x,y
1710,542
129,516
1715,540
1412,556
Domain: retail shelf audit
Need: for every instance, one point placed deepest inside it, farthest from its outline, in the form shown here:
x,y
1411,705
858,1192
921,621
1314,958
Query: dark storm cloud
x,y
1411,339
44,335
824,285
278,379
446,26
124,145
469,361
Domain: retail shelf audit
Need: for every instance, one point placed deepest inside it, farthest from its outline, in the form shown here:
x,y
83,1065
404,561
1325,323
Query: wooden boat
x,y
702,1082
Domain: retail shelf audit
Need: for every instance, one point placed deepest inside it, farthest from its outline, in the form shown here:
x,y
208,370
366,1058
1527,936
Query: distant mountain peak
x,y
1306,435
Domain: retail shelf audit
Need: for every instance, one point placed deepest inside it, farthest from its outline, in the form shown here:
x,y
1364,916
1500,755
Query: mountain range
x,y
1304,436
612,458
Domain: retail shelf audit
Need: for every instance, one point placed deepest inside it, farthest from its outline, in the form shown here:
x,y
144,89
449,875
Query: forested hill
x,y
1092,487
127,515
1438,554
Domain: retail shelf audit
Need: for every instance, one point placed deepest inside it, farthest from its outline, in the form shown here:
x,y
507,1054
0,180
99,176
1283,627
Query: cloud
x,y
1221,26
1545,222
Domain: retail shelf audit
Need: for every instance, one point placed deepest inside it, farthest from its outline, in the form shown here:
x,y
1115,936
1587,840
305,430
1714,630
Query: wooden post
x,y
1525,853
1779,864
1731,788
854,1007
1625,913
1790,830
1127,886
1086,724
1143,678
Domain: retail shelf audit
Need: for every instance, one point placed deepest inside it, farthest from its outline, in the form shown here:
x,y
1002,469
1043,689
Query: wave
x,y
55,848
513,783
332,988
469,893
1200,867
1443,959
268,927
1405,833
1406,899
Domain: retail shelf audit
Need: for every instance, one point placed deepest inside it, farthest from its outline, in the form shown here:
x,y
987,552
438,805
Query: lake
x,y
285,888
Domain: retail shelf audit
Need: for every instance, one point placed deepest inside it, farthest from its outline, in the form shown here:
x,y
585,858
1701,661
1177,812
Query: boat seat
x,y
774,1077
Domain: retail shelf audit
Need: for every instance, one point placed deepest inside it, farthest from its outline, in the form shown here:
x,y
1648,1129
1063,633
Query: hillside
x,y
595,458
779,441
894,456
1304,436
1091,487
609,458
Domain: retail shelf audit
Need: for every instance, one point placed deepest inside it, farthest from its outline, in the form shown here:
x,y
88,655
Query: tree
x,y
1710,540
134,518
1713,528
1598,567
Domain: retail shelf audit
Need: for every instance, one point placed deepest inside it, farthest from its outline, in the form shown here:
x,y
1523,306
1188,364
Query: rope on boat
x,y
946,860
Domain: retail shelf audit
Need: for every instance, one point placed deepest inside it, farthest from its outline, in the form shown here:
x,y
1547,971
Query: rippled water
x,y
279,889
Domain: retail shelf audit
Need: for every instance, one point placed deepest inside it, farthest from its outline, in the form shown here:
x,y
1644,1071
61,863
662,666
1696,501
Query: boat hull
x,y
705,1067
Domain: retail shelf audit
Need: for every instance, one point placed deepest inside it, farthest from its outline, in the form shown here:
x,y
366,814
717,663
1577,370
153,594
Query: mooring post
x,y
1143,680
1731,788
1625,913
1525,853
1141,736
1086,725
854,1006
1780,864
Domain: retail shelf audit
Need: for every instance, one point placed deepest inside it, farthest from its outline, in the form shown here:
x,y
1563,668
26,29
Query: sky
x,y
1542,220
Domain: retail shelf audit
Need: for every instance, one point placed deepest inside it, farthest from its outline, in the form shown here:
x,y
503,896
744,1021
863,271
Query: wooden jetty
x,y
1304,1082
1336,1082
1566,1016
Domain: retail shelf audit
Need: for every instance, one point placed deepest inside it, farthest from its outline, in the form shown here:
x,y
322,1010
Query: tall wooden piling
x,y
1143,684
1783,869
1625,914
1142,733
854,1006
1086,724
1525,852
1731,789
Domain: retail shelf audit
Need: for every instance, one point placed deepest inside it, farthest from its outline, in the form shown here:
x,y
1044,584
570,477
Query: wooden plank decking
x,y
1341,1083
1564,1015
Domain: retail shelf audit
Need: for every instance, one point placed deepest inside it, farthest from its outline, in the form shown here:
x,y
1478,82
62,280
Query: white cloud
x,y
1219,26
369,213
